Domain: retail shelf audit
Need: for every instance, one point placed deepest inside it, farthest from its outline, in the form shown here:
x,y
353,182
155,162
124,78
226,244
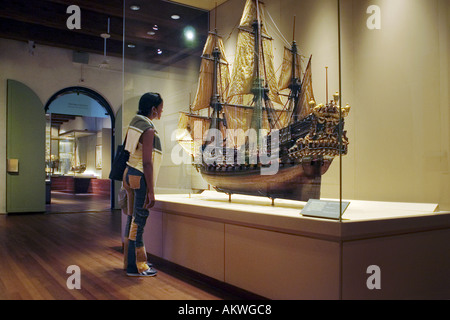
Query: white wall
x,y
46,72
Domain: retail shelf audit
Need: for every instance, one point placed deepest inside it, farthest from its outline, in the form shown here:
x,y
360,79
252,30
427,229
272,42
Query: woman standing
x,y
144,145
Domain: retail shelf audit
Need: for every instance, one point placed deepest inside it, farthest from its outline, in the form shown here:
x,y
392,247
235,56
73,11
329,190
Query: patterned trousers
x,y
135,257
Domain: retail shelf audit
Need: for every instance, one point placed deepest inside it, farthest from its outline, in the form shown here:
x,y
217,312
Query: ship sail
x,y
306,95
206,81
290,75
253,66
287,70
245,64
190,131
191,128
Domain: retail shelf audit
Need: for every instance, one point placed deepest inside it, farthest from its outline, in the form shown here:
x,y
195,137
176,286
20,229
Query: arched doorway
x,y
79,149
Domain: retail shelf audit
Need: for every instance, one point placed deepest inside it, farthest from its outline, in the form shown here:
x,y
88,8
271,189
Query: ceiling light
x,y
175,17
159,51
130,45
151,33
189,33
155,27
135,8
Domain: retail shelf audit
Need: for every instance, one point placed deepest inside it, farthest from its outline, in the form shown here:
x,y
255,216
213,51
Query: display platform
x,y
357,211
275,252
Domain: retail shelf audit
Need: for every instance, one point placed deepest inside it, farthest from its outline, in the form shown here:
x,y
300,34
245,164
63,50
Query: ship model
x,y
262,136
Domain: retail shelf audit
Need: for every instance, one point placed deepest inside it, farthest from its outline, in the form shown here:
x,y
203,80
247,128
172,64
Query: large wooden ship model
x,y
255,140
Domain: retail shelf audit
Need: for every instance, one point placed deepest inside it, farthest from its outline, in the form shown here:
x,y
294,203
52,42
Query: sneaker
x,y
150,265
150,272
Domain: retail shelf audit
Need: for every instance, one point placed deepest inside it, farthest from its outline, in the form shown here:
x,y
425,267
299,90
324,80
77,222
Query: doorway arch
x,y
88,92
104,104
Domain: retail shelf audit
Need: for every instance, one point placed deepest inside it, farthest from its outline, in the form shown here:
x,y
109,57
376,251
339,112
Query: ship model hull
x,y
305,153
293,182
308,136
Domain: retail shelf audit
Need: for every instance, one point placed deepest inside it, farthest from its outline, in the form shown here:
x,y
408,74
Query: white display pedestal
x,y
275,252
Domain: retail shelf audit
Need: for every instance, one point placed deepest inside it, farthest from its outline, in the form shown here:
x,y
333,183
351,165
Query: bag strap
x,y
125,140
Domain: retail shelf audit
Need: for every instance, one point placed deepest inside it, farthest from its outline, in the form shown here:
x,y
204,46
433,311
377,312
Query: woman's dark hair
x,y
149,101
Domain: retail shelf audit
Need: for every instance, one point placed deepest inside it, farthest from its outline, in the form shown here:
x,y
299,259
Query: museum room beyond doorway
x,y
79,145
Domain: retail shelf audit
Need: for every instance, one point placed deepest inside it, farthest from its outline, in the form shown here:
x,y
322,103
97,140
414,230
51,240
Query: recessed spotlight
x,y
151,33
135,7
155,27
175,17
130,45
189,33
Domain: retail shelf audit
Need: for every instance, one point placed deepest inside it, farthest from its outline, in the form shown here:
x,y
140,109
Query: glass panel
x,y
164,57
203,81
396,76
66,156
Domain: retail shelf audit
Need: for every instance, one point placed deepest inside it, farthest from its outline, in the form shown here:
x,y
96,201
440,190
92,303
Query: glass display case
x,y
66,155
347,100
290,104
153,64
370,79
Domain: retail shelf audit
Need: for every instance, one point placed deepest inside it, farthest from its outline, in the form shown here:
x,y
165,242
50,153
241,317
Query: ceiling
x,y
59,119
44,22
201,4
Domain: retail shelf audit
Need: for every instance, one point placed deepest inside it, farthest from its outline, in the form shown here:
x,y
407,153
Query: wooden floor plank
x,y
36,250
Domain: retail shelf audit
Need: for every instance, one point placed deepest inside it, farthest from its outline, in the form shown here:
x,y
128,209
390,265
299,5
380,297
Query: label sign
x,y
324,209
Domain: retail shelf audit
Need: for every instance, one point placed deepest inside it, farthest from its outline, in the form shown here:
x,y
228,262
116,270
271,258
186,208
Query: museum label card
x,y
324,209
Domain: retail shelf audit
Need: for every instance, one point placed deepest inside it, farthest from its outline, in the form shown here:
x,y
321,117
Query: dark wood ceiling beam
x,y
44,22
113,8
14,10
57,116
46,36
62,119
58,38
55,16
152,44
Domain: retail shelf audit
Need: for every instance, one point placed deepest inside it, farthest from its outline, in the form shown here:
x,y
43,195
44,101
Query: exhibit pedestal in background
x,y
81,184
275,252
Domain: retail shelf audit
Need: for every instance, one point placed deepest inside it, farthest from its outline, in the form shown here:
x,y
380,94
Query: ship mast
x,y
216,104
258,89
296,84
215,98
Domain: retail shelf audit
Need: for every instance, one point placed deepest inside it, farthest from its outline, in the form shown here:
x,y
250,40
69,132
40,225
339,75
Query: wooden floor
x,y
81,202
36,249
